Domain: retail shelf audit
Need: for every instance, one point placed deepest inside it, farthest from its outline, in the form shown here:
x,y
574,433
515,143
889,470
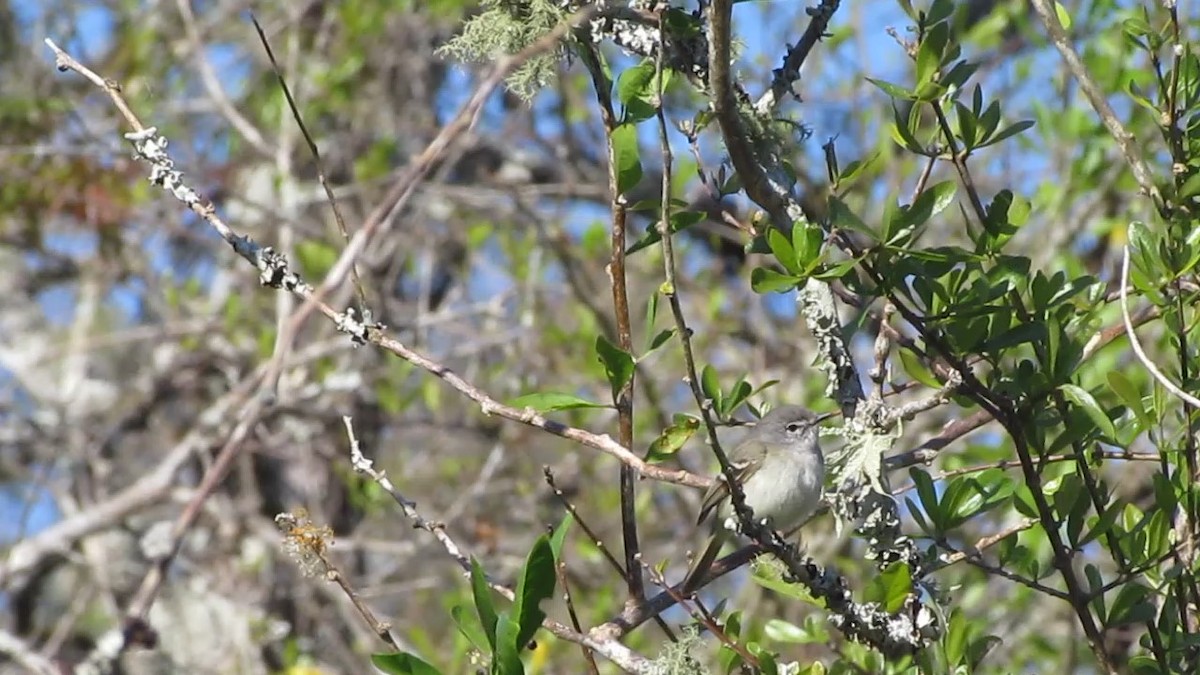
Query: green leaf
x,y
928,496
766,280
855,169
957,631
672,438
547,401
710,385
1081,398
967,125
625,160
781,246
806,244
896,585
638,89
483,602
1100,526
843,218
315,258
1064,17
794,591
739,393
1130,606
783,631
1026,332
560,535
959,74
766,658
918,516
507,657
917,370
1023,501
1011,130
836,270
536,584
618,364
939,11
651,311
402,663
979,649
635,83
941,195
468,625
893,90
1130,396
660,339
902,130
680,221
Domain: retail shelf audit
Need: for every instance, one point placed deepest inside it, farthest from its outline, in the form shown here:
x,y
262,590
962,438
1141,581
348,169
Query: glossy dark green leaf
x,y
1011,130
625,157
483,602
928,496
897,586
806,244
902,129
939,11
560,535
1100,526
735,396
618,364
1130,606
958,75
781,246
506,660
710,385
1088,404
766,658
535,585
1021,334
930,53
661,339
636,82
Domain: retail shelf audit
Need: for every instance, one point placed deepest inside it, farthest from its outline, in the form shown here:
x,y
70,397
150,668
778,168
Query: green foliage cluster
x,y
1022,333
498,636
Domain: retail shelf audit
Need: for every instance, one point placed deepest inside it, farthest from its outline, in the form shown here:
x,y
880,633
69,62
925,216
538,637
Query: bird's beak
x,y
824,416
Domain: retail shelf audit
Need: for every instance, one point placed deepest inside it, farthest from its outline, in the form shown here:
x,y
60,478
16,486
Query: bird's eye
x,y
793,427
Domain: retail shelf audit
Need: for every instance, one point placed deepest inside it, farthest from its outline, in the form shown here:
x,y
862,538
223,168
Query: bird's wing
x,y
718,492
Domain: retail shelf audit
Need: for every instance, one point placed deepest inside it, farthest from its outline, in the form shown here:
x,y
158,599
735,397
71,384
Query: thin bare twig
x,y
1099,100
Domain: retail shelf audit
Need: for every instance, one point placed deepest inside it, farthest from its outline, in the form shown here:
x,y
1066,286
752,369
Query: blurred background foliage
x,y
126,324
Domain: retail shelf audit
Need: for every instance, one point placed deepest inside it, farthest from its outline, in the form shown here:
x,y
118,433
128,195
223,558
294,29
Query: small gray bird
x,y
782,472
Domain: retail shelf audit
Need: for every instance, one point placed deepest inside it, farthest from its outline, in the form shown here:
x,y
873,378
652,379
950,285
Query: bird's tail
x,y
700,567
